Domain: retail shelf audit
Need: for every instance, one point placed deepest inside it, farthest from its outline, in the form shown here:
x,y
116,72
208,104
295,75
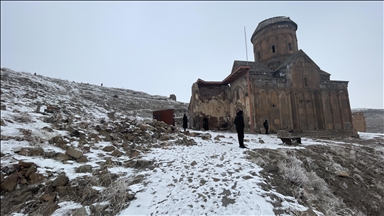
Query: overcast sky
x,y
162,48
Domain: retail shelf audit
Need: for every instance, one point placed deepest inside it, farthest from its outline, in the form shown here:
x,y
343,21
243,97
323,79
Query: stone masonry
x,y
283,84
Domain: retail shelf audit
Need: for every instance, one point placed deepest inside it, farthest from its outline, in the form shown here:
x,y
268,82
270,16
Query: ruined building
x,y
283,84
359,123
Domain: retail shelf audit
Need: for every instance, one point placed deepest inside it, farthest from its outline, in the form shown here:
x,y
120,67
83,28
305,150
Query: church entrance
x,y
205,124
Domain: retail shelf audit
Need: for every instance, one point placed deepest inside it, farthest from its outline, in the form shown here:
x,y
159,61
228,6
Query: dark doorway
x,y
205,124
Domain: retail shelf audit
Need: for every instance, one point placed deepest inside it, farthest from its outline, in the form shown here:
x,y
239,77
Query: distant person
x,y
173,123
185,122
239,122
266,126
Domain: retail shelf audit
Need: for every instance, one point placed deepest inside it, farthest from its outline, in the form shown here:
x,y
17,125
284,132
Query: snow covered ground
x,y
210,178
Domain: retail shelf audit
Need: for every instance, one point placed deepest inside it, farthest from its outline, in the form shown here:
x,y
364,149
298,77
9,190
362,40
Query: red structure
x,y
165,116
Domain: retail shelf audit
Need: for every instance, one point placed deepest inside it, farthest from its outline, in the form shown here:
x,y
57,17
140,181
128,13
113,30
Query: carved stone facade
x,y
282,85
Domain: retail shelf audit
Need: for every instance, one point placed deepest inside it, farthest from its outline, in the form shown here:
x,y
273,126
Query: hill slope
x,y
81,98
374,119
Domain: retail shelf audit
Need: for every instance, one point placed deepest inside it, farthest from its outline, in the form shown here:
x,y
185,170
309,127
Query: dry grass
x,y
118,194
23,117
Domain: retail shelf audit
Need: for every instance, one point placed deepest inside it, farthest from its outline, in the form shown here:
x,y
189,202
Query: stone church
x,y
283,84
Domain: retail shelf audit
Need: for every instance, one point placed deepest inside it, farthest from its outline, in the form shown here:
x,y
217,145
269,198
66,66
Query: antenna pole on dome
x,y
246,51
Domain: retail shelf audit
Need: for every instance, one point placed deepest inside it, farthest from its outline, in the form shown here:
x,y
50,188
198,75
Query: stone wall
x,y
359,122
211,103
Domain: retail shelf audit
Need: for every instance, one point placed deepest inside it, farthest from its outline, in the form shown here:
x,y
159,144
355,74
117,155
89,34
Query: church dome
x,y
271,21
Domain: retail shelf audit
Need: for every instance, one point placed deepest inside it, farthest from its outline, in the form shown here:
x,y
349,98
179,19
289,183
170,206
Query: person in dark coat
x,y
239,122
266,126
185,122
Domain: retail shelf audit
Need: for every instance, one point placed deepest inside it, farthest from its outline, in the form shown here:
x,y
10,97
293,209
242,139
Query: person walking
x,y
239,122
266,126
185,122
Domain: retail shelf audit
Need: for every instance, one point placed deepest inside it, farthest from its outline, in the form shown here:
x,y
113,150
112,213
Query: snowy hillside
x,y
87,100
101,153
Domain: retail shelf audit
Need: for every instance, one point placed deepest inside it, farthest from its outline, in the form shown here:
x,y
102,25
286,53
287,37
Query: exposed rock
x,y
22,198
108,148
61,180
47,208
75,133
79,211
106,178
23,164
74,153
36,177
67,191
46,197
108,161
3,107
50,154
84,169
83,159
37,151
62,157
2,123
139,164
164,137
98,127
134,154
47,129
30,170
206,136
23,151
10,182
117,153
342,174
186,141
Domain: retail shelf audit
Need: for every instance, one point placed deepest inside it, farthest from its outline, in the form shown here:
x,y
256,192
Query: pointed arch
x,y
284,111
328,117
261,107
344,109
335,110
319,111
309,110
274,116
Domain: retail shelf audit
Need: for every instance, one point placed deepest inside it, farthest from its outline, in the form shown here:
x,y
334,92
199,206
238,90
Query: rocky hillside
x,y
95,102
